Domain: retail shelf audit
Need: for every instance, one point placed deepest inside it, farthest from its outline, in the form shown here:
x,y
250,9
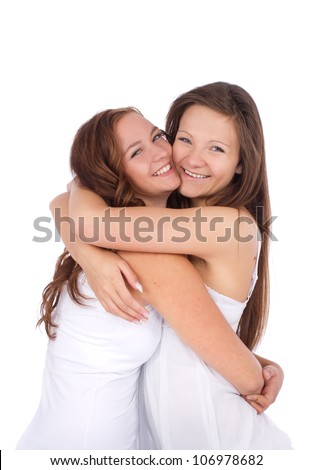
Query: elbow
x,y
53,205
59,204
253,385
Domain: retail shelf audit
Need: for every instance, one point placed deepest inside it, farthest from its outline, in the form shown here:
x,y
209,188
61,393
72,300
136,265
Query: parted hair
x,y
248,189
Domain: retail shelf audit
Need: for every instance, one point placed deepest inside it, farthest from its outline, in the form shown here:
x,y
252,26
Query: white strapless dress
x,y
90,382
188,405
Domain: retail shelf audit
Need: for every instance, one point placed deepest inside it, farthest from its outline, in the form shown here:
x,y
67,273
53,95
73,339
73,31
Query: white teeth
x,y
163,170
194,175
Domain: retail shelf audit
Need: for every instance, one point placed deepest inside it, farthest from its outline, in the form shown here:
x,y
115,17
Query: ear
x,y
239,169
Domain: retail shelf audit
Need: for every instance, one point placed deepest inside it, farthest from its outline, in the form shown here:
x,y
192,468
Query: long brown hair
x,y
248,189
95,159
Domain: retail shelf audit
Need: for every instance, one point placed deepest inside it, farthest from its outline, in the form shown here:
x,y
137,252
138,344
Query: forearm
x,y
157,229
80,251
195,317
191,313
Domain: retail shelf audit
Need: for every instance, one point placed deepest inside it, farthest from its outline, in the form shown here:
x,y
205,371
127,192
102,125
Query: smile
x,y
194,175
163,170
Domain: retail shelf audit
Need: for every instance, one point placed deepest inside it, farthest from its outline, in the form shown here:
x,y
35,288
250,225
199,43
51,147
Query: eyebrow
x,y
134,144
212,140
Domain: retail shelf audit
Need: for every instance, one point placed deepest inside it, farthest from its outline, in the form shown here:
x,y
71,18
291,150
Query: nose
x,y
195,158
161,151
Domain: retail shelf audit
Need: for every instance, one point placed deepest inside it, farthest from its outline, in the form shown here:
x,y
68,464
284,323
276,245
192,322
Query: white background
x,y
63,61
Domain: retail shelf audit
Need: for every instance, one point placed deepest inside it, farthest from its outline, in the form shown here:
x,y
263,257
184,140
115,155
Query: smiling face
x,y
205,152
147,159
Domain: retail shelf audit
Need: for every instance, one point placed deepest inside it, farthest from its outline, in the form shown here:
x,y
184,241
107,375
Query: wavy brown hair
x,y
248,189
95,159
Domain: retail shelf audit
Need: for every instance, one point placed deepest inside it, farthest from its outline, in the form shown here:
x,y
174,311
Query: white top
x,y
90,381
188,405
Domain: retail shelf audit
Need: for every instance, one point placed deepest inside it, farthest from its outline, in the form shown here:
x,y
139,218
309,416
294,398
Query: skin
x,y
192,314
205,160
212,149
205,153
144,158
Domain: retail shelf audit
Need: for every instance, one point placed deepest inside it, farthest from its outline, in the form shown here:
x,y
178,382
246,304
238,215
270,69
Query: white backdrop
x,y
62,61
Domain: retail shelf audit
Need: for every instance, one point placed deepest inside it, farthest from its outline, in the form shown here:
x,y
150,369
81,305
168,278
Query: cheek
x,y
223,169
167,147
134,174
177,154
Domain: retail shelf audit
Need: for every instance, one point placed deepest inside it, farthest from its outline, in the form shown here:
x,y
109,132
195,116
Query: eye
x,y
136,152
215,148
159,135
185,140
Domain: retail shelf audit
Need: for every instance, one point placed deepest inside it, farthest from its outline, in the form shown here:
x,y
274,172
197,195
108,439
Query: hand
x,y
273,380
106,277
106,271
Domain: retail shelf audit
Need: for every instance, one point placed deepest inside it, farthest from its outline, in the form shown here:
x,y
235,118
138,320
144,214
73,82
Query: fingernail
x,y
139,287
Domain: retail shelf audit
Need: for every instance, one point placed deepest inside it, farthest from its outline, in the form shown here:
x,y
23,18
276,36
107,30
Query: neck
x,y
198,202
155,202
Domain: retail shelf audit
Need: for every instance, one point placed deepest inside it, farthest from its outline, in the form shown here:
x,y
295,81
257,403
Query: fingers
x,y
269,372
122,304
256,406
125,300
130,275
114,294
112,308
131,308
259,402
254,398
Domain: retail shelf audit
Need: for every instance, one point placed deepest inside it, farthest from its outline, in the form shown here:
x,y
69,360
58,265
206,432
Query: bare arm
x,y
272,373
159,230
107,271
195,317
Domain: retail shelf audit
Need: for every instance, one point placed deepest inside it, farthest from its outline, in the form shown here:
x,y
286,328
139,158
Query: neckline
x,y
227,297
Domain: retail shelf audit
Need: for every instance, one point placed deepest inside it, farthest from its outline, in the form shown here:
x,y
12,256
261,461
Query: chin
x,y
172,187
189,192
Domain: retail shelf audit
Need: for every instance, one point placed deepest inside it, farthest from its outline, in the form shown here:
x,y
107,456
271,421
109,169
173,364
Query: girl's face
x,y
147,159
205,152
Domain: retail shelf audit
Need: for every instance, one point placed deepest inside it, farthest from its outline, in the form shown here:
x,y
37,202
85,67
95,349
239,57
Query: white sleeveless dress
x,y
90,382
187,405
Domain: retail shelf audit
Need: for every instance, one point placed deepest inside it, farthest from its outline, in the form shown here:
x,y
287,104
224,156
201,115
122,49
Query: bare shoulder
x,y
247,228
230,227
228,216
